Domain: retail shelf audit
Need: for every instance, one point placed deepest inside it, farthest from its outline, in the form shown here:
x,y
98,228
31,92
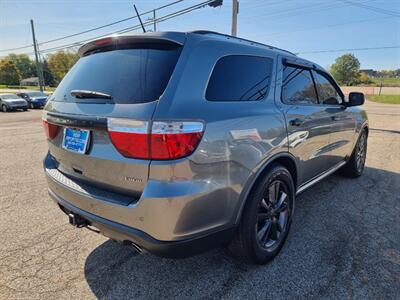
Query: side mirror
x,y
355,99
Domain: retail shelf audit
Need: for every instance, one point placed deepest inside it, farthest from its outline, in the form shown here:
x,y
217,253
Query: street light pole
x,y
235,11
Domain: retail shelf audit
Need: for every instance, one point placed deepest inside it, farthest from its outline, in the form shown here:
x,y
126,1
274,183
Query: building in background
x,y
369,72
31,81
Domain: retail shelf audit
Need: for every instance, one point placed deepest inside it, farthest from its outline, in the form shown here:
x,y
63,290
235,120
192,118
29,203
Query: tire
x,y
355,166
25,109
264,225
4,108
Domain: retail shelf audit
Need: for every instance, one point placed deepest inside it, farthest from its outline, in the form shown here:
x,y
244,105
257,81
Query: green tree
x,y
346,69
364,78
9,73
60,62
24,64
47,74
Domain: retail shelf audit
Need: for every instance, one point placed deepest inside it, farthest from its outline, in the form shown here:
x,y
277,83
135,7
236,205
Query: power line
x,y
17,48
373,8
326,26
127,29
350,49
176,14
170,16
298,11
93,29
109,24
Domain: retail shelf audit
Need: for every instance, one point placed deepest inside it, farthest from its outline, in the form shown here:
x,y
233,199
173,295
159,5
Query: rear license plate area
x,y
76,140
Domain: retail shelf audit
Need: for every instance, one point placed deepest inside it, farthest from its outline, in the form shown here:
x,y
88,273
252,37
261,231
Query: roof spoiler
x,y
166,39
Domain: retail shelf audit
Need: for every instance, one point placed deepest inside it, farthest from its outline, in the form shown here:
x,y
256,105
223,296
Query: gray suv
x,y
175,143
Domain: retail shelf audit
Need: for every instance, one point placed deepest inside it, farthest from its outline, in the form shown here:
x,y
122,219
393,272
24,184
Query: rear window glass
x,y
240,78
128,75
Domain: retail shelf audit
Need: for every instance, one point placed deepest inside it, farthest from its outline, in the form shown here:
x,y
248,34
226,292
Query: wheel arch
x,y
285,159
366,128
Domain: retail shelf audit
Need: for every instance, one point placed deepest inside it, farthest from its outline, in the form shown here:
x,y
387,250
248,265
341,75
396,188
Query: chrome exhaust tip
x,y
137,248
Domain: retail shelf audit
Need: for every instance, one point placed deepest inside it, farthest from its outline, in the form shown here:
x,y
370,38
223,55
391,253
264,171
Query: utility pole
x,y
154,21
235,11
38,69
41,67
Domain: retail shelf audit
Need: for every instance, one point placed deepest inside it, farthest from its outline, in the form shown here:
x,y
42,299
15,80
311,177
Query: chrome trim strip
x,y
171,127
72,120
127,125
320,177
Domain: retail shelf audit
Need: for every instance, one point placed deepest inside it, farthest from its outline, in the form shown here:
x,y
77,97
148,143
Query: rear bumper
x,y
161,221
14,107
38,104
173,249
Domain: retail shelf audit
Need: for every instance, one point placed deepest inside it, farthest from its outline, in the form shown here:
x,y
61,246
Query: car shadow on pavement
x,y
114,271
343,243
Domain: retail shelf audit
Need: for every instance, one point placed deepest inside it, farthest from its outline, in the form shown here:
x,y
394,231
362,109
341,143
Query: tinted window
x,y
239,78
326,91
298,86
129,75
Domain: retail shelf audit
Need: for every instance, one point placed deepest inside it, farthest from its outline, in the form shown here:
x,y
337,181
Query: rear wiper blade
x,y
89,94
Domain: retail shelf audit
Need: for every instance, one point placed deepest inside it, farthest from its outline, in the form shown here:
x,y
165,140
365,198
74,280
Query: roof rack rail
x,y
240,39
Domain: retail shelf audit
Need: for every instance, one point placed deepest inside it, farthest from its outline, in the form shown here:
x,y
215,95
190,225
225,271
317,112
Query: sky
x,y
300,26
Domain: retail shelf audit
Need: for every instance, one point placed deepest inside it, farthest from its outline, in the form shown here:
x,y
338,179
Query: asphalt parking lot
x,y
344,243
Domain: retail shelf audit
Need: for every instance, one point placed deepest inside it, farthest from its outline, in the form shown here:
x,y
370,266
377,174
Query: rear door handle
x,y
296,122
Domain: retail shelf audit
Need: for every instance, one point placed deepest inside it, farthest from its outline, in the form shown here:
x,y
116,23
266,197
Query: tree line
x,y
15,67
346,71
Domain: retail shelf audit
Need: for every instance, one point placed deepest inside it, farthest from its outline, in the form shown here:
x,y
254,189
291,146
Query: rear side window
x,y
326,91
240,78
298,86
128,75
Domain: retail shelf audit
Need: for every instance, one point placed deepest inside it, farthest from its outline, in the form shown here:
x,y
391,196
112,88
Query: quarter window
x,y
240,78
298,86
326,91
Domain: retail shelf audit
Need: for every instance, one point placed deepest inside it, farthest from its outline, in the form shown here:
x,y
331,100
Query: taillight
x,y
165,140
171,140
104,41
130,137
50,129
